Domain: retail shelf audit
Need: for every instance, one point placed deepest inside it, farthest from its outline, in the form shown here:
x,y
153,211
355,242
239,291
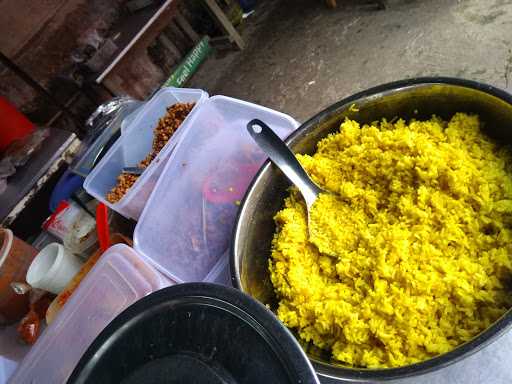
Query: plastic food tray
x,y
120,278
134,145
187,223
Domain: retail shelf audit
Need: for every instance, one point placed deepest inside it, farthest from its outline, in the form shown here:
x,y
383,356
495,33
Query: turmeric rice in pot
x,y
420,225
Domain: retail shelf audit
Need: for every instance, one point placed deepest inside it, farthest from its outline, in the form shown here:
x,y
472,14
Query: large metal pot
x,y
416,98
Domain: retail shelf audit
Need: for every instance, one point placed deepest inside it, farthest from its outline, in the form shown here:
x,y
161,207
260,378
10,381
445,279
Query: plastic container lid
x,y
187,223
105,123
120,278
134,145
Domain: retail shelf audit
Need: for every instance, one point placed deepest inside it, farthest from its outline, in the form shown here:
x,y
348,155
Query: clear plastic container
x,y
134,145
12,352
220,274
108,118
187,223
120,278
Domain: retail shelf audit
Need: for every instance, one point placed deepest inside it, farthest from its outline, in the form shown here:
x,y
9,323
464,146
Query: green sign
x,y
190,64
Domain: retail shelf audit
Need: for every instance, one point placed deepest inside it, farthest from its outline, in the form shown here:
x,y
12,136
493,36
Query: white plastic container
x,y
53,268
12,352
187,224
119,278
133,146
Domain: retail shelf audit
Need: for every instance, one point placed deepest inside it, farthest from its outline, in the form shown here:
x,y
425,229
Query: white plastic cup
x,y
53,268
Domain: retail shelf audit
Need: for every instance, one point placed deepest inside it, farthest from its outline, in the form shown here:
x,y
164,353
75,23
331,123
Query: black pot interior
x,y
409,99
194,333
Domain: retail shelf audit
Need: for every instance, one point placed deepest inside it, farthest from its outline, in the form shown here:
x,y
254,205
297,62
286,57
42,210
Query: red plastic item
x,y
102,226
30,325
28,328
49,221
13,124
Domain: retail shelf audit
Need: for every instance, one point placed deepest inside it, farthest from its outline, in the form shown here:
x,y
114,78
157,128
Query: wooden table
x,y
136,32
30,178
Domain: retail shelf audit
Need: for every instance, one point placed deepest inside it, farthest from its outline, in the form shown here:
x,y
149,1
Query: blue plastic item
x,y
247,5
66,186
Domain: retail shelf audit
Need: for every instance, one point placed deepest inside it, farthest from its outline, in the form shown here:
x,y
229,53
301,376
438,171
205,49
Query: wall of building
x,y
41,38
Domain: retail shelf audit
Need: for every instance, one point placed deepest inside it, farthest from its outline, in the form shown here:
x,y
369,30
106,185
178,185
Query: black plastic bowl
x,y
416,98
195,333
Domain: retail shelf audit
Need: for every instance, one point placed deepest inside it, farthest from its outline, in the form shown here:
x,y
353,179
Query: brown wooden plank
x,y
169,45
187,28
178,37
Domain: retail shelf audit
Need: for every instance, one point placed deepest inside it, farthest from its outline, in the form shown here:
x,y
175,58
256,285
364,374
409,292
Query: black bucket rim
x,y
231,300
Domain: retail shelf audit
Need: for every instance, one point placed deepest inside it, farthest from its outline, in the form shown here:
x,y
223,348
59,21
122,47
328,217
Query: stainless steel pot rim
x,y
462,351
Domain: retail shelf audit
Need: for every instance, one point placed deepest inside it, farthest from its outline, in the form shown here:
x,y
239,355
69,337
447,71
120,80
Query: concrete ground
x,y
301,57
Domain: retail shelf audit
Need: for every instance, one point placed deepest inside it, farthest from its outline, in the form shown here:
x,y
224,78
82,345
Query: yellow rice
x,y
420,229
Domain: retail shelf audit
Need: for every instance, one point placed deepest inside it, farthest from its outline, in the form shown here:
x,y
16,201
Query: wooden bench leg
x,y
225,23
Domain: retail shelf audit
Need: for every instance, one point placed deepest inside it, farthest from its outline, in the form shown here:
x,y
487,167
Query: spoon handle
x,y
281,155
